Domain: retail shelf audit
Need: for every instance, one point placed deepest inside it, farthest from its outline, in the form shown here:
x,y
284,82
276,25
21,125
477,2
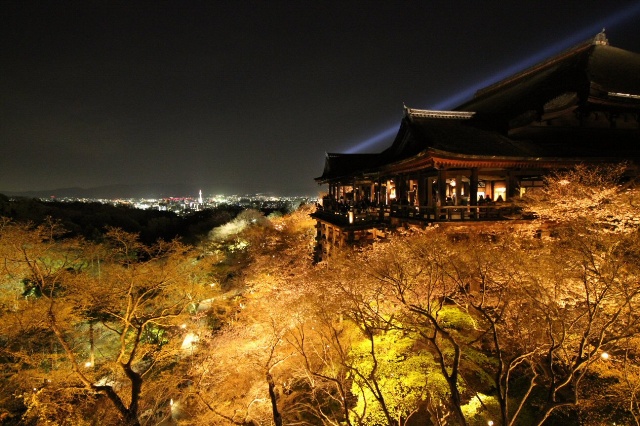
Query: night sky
x,y
245,97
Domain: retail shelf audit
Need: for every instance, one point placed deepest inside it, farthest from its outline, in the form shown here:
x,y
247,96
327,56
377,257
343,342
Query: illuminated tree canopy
x,y
528,323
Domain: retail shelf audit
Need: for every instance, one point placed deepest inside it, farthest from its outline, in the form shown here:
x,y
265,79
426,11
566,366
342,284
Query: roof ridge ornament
x,y
601,39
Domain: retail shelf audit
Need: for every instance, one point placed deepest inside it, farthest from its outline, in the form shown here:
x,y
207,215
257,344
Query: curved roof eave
x,y
437,159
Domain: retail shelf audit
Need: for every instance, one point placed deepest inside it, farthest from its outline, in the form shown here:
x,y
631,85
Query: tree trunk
x,y
136,391
92,356
277,418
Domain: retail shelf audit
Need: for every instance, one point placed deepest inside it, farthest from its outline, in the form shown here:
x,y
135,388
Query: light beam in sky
x,y
461,96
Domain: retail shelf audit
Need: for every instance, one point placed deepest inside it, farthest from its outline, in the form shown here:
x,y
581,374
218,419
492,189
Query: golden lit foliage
x,y
435,326
83,322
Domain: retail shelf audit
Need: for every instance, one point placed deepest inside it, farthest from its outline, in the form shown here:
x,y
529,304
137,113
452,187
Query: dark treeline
x,y
90,220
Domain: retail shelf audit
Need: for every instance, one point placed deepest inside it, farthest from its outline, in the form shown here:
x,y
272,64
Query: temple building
x,y
469,164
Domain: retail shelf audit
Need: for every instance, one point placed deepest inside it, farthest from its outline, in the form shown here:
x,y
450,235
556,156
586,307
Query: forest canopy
x,y
515,323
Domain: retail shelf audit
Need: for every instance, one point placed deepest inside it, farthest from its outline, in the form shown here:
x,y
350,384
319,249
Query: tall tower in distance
x,y
200,197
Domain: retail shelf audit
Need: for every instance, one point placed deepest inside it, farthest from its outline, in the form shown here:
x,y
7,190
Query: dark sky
x,y
244,96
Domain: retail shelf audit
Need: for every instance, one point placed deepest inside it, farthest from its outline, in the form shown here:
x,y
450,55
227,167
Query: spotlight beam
x,y
456,99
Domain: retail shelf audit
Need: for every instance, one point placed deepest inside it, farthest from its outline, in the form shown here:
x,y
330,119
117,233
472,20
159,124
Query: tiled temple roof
x,y
509,120
595,71
340,165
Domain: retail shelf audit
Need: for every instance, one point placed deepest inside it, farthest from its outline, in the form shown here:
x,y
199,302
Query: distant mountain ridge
x,y
154,190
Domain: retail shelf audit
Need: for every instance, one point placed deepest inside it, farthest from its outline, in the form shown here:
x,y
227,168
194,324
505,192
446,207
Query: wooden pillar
x,y
458,189
442,187
512,186
430,200
355,192
422,190
507,184
473,187
381,199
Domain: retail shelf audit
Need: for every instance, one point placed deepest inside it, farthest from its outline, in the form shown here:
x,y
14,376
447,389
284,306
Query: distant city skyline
x,y
157,191
188,205
247,96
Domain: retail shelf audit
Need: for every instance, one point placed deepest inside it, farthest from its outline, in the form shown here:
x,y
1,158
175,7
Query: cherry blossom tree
x,y
93,324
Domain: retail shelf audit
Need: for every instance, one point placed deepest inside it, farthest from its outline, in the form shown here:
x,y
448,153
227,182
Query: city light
x,y
184,206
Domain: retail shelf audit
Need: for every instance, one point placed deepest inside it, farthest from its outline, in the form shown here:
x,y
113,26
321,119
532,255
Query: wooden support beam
x,y
473,187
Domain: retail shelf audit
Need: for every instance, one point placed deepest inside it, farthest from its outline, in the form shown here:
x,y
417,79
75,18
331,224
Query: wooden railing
x,y
351,215
447,213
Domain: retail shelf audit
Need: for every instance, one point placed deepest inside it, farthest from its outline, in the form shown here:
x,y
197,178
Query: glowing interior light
x,y
189,341
604,356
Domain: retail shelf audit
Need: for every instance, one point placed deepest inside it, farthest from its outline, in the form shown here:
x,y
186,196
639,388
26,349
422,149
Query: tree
x,y
111,316
248,374
448,326
529,316
411,275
